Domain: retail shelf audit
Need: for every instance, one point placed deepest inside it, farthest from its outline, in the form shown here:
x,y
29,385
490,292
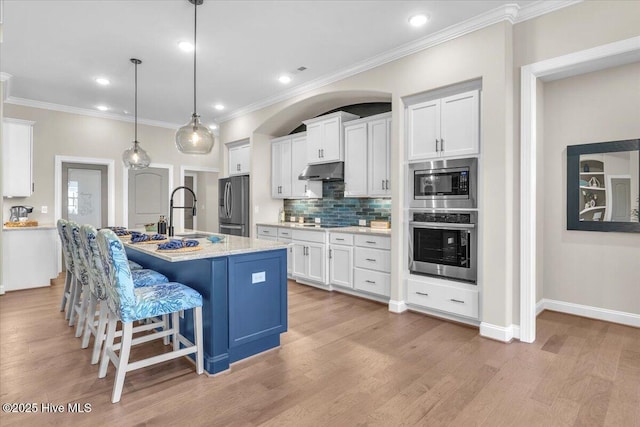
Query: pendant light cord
x,y
135,132
195,31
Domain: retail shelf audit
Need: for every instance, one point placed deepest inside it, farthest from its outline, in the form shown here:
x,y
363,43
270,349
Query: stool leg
x,y
72,293
175,324
90,320
123,361
75,301
165,326
100,332
67,287
197,331
82,310
106,357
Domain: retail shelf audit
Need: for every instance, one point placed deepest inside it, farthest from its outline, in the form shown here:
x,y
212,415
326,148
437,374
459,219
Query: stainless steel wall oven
x,y
444,244
444,184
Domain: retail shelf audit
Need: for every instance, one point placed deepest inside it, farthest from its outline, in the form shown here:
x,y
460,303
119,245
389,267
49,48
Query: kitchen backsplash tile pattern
x,y
334,208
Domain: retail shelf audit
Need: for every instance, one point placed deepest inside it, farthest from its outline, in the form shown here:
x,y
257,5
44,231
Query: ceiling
x,y
55,49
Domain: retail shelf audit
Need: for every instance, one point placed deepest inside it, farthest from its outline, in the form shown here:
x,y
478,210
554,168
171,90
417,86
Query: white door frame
x,y
125,189
111,188
195,190
180,196
597,58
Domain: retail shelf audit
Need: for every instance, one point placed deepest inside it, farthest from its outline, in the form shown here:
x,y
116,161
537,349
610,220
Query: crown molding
x,y
510,12
86,112
5,77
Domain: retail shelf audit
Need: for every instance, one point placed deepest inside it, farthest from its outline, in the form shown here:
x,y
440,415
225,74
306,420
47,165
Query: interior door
x,y
84,193
148,196
189,219
621,199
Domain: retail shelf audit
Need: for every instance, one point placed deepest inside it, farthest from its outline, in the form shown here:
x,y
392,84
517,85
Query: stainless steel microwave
x,y
444,184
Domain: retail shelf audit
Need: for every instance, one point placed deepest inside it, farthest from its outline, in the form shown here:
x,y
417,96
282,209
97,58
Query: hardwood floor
x,y
345,361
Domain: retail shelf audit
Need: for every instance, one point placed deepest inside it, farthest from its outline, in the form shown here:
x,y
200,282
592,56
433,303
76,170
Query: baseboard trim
x,y
539,307
498,333
397,306
614,316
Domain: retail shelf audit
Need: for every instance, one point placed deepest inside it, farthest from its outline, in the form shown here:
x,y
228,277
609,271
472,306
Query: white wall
x,y
590,268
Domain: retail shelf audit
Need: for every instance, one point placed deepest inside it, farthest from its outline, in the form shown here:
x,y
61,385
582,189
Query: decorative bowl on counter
x,y
216,239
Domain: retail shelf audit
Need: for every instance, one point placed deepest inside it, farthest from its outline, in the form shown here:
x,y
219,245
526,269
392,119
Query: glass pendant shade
x,y
135,157
194,138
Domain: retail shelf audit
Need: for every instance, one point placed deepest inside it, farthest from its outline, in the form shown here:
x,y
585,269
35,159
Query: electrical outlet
x,y
362,222
316,220
44,209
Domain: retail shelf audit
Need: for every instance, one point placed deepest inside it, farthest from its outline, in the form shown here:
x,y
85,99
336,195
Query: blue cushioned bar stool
x,y
69,281
128,304
81,288
97,284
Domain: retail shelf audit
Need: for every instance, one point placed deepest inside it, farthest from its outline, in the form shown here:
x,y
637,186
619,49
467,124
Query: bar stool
x,y
129,304
69,281
97,284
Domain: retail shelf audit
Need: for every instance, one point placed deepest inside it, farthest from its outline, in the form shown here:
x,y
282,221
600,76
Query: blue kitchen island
x,y
243,283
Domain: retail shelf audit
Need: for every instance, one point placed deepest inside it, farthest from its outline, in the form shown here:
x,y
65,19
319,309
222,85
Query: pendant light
x,y
194,138
135,157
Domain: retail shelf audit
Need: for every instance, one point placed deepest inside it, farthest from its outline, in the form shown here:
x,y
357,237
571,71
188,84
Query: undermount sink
x,y
193,235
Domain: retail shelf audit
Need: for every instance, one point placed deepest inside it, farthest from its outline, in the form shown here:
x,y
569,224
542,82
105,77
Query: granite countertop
x,y
231,245
37,227
314,227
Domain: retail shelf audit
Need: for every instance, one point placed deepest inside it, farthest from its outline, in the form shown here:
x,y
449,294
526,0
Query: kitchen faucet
x,y
171,207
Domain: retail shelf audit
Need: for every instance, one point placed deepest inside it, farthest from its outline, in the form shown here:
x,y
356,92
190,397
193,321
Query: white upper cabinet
x,y
446,127
288,159
325,138
239,159
17,154
379,156
366,167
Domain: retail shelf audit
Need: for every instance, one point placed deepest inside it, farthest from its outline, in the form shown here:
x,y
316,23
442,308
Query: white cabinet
x,y
267,233
366,168
309,256
446,127
280,235
288,159
341,259
325,142
239,159
17,154
372,271
29,258
460,299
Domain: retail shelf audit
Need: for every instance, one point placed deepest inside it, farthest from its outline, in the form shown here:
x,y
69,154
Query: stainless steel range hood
x,y
323,172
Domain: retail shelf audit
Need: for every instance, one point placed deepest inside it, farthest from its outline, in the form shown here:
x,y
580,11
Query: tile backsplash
x,y
334,208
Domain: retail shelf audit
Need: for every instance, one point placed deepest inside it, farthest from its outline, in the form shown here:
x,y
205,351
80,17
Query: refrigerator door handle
x,y
230,200
231,227
227,187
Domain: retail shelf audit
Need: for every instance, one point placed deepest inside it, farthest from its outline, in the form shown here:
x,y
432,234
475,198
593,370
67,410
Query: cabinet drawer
x,y
445,298
284,233
368,241
371,281
309,236
267,231
373,259
341,239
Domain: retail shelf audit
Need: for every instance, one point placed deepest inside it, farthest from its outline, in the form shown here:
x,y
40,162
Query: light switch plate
x,y
362,222
44,209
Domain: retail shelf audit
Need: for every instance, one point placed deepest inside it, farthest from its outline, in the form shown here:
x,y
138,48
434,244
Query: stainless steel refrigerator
x,y
233,205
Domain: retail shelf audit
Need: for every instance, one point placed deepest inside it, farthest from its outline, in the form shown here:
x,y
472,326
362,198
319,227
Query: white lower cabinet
x,y
309,256
456,299
279,235
29,258
371,281
341,259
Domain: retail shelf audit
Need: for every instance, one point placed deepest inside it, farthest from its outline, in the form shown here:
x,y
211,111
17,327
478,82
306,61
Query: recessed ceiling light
x,y
284,79
186,46
418,20
213,127
102,107
102,81
219,107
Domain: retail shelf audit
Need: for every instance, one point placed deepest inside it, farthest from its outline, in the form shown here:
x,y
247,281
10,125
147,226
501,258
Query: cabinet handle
x,y
322,150
319,155
342,240
370,281
422,293
371,242
265,231
386,185
330,254
436,145
305,189
456,300
383,184
370,259
441,144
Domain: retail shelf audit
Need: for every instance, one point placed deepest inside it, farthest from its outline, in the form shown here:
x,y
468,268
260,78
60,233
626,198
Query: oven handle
x,y
441,225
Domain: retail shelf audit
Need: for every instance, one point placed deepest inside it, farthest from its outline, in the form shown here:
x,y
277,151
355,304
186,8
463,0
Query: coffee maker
x,y
19,213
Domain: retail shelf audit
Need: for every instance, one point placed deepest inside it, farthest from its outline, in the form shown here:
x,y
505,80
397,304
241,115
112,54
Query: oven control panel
x,y
444,217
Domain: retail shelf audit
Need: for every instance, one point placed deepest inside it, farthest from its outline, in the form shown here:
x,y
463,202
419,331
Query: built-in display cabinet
x,y
325,140
17,157
239,158
288,159
367,157
444,127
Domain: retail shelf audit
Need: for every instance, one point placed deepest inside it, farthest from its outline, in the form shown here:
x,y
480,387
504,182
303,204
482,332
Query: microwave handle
x,y
441,225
